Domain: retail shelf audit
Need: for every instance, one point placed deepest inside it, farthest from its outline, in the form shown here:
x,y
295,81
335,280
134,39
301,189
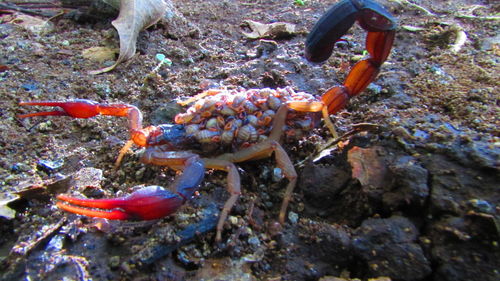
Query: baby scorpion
x,y
243,124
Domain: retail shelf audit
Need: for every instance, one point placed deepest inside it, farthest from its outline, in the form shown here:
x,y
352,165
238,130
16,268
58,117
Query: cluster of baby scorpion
x,y
243,117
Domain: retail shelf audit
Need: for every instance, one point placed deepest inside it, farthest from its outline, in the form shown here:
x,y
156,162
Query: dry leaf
x,y
135,16
272,30
99,54
5,211
32,24
368,166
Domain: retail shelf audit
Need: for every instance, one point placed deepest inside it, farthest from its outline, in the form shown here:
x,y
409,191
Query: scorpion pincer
x,y
242,124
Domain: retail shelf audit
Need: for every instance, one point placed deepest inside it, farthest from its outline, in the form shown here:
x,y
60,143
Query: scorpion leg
x,y
233,187
192,167
210,92
262,150
152,202
265,149
315,106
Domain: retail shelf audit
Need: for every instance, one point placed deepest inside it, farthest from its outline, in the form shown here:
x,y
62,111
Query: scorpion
x,y
240,124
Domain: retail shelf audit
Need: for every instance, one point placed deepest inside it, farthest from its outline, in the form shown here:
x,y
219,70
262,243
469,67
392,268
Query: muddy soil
x,y
415,197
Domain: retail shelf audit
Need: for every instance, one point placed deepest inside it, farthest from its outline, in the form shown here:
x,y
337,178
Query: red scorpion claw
x,y
76,108
149,203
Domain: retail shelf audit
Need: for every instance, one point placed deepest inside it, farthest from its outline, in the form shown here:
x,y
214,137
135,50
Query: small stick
x,y
459,41
13,7
413,5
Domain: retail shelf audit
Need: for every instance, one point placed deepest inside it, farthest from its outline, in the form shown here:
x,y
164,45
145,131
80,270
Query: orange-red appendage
x,y
360,76
75,108
335,98
149,203
379,45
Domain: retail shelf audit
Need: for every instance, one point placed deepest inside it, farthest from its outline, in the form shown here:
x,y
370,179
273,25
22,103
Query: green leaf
x,y
300,2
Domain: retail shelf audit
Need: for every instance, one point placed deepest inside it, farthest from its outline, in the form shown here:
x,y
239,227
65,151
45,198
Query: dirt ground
x,y
415,197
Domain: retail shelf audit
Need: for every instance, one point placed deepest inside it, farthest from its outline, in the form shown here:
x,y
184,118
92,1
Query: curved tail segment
x,y
332,26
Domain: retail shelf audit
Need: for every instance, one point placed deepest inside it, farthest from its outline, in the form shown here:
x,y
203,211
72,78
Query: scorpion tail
x,y
335,98
332,26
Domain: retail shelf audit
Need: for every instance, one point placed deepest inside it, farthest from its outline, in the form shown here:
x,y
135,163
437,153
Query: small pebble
x,y
139,174
55,244
293,217
114,262
29,86
51,165
277,175
482,206
233,220
20,167
254,241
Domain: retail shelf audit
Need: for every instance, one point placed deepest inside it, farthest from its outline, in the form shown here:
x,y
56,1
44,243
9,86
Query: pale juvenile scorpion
x,y
234,125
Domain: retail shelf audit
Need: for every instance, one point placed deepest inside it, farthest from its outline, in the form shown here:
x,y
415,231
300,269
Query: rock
x,y
321,184
293,217
50,166
388,248
29,86
465,248
333,244
454,184
410,184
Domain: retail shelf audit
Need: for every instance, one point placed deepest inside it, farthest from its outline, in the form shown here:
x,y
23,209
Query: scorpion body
x,y
235,125
236,119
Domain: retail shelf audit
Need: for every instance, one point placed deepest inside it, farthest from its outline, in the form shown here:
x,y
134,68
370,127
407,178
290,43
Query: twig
x,y
356,128
13,7
459,41
463,16
470,15
418,7
23,248
35,4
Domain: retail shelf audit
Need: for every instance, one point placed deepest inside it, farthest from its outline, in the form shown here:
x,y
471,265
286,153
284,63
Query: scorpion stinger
x,y
332,25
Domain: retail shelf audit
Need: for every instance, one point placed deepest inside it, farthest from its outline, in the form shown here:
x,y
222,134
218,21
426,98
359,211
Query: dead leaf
x,y
135,16
368,166
32,24
99,54
43,190
271,30
5,210
38,192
